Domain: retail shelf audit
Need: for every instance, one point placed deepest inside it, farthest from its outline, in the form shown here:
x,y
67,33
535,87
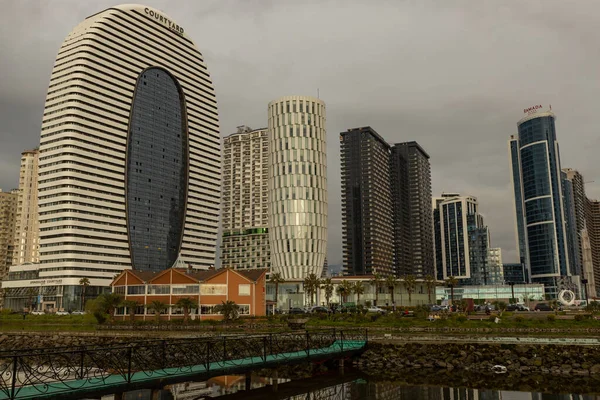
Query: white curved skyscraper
x,y
130,162
297,186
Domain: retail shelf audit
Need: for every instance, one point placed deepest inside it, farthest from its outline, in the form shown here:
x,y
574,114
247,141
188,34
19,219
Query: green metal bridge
x,y
70,373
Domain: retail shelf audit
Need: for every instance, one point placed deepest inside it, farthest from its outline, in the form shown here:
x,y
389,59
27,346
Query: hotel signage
x,y
532,109
46,282
170,24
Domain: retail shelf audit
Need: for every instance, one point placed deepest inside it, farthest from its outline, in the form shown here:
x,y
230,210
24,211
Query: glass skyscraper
x,y
539,203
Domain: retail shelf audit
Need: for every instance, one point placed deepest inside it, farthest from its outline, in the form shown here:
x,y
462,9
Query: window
x,y
138,289
186,289
213,289
119,290
208,309
244,309
244,290
159,289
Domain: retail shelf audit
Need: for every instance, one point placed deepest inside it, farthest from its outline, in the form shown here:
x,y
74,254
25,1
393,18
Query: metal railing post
x,y
342,340
224,349
81,364
271,343
207,356
264,348
307,344
366,335
163,363
14,378
129,357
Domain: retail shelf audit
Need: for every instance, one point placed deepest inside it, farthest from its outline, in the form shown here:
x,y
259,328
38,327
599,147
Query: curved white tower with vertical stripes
x,y
130,150
297,186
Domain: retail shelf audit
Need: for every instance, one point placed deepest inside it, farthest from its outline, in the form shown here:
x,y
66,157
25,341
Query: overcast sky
x,y
452,75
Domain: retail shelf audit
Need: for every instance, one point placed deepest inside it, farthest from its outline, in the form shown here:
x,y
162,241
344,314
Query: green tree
x,y
343,290
390,283
110,302
84,282
452,282
229,310
327,286
186,303
158,307
131,306
276,279
311,284
410,283
430,282
358,288
376,283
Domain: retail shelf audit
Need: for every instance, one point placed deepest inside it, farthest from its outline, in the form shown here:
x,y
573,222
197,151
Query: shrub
x,y
462,318
582,317
551,318
519,319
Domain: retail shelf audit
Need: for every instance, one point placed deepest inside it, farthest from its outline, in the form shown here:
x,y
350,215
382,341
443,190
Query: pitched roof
x,y
203,275
145,276
252,274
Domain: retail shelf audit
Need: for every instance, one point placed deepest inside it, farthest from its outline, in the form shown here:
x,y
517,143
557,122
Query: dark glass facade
x,y
514,272
540,209
366,203
413,225
516,178
156,171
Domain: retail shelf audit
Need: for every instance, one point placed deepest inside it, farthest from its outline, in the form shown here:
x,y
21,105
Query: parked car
x,y
297,310
78,313
375,309
436,308
37,313
543,307
517,307
320,309
62,313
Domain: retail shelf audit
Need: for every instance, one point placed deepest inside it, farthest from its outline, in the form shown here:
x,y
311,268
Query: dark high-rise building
x,y
593,231
514,272
413,226
539,200
366,203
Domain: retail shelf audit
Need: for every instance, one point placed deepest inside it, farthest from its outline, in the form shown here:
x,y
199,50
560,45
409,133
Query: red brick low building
x,y
207,287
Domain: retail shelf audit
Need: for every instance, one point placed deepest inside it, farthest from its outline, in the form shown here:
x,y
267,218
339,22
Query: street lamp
x,y
585,282
512,290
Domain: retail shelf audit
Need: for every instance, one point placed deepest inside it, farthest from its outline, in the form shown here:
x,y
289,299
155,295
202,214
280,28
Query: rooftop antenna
x,y
318,93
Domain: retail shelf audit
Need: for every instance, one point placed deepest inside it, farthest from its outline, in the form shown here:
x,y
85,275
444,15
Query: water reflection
x,y
332,387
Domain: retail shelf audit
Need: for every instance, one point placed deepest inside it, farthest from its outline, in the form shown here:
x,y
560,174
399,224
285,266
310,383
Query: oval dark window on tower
x,y
156,193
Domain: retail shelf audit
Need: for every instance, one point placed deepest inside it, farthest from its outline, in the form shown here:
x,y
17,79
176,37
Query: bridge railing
x,y
45,372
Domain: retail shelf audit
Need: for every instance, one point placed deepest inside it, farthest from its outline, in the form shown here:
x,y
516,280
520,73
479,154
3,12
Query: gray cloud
x,y
452,75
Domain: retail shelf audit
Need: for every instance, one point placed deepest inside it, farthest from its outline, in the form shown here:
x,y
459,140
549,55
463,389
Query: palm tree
x,y
390,283
358,289
343,290
410,282
452,282
158,307
276,279
84,282
430,282
186,304
131,306
327,286
229,310
376,284
311,284
110,302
